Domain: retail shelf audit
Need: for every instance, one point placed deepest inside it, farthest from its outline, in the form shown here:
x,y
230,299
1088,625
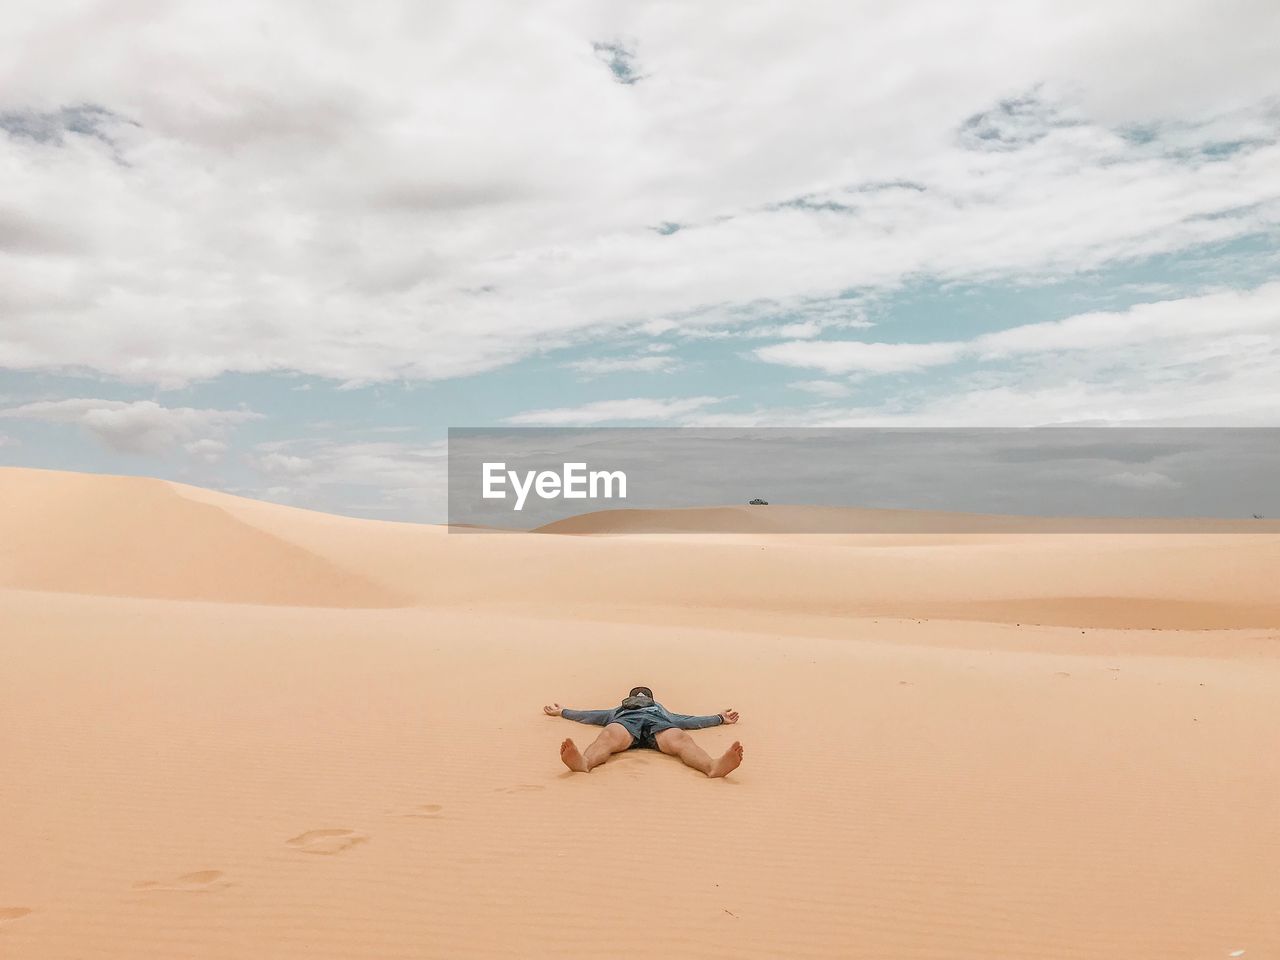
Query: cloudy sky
x,y
279,249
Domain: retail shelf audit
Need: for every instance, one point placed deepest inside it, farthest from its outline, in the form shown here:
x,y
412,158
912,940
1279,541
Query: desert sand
x,y
237,729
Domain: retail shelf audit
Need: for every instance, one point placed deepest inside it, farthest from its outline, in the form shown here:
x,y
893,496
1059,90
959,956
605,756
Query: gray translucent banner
x,y
1068,479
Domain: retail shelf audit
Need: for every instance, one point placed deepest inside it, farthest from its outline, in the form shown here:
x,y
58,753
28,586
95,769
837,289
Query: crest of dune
x,y
138,537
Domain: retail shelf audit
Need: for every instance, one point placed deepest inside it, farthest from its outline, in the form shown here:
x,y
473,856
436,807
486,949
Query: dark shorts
x,y
643,729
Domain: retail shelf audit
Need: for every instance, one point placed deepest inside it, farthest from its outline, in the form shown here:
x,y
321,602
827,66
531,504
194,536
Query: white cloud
x,y
855,356
381,478
1148,480
607,411
402,191
823,388
765,319
1207,360
207,449
1186,333
599,366
277,464
1201,318
801,330
141,427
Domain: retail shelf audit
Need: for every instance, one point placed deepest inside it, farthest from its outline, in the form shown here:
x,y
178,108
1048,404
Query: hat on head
x,y
641,692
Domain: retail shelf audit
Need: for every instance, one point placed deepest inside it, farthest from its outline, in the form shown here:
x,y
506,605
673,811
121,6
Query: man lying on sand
x,y
640,721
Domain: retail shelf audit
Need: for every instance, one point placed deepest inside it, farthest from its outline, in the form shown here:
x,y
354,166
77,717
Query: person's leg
x,y
613,739
678,743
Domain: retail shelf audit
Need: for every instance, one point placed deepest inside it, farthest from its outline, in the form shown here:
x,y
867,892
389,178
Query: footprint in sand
x,y
12,913
200,881
521,788
425,811
1062,673
327,842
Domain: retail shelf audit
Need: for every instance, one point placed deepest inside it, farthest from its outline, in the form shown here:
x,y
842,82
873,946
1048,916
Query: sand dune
x,y
147,538
787,519
239,729
136,537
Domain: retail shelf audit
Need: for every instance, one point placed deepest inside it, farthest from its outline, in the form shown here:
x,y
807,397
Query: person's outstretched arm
x,y
688,722
598,717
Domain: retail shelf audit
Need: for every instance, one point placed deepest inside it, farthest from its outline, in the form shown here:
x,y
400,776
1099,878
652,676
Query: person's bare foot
x,y
573,759
728,762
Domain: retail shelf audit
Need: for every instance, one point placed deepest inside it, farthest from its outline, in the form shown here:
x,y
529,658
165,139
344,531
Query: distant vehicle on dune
x,y
757,502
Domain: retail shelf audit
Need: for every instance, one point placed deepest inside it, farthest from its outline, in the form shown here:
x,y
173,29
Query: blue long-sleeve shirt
x,y
682,720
